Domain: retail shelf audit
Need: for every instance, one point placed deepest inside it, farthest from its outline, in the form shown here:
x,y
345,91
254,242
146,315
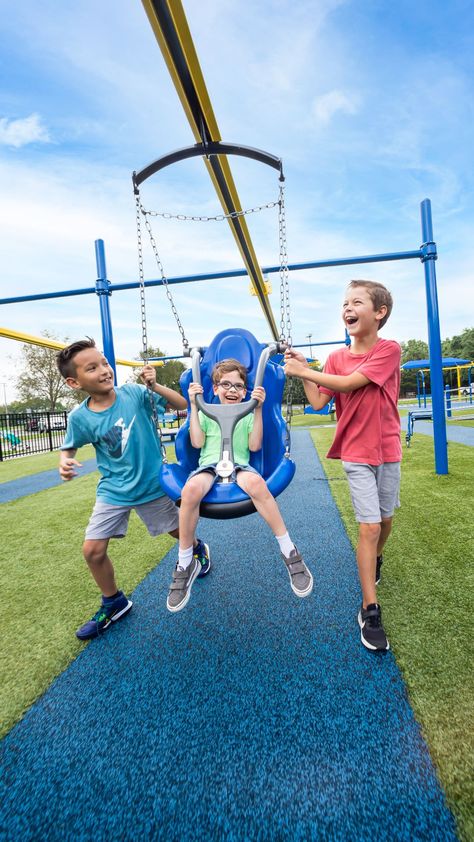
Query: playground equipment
x,y
175,41
447,364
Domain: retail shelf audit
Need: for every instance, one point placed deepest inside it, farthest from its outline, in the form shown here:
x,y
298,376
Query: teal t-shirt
x,y
126,445
211,449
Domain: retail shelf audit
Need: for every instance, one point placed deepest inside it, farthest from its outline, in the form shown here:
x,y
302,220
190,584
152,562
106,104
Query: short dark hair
x,y
379,295
65,358
224,367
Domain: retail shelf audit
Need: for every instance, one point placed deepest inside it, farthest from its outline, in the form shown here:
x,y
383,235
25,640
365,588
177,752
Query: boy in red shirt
x,y
365,380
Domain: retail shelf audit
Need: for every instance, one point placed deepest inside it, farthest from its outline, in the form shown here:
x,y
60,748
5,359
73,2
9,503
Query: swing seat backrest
x,y
227,500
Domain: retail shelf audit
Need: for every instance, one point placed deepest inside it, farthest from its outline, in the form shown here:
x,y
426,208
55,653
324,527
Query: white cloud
x,y
18,133
326,106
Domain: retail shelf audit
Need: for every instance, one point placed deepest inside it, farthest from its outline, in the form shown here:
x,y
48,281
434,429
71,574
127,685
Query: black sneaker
x,y
378,569
201,552
372,634
180,588
109,612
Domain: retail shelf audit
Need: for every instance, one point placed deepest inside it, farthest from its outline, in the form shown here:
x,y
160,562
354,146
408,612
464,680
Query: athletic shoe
x,y
378,570
180,588
201,552
301,580
372,634
109,612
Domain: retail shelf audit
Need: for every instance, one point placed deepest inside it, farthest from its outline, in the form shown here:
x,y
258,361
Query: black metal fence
x,y
22,433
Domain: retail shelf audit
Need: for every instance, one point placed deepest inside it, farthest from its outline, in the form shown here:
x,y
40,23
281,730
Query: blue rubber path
x,y
250,715
15,488
461,435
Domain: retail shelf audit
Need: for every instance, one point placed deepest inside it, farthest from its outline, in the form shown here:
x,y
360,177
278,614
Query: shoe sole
x,y
113,619
308,590
201,574
366,643
184,602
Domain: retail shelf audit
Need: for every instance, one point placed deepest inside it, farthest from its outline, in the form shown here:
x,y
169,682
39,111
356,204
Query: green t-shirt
x,y
211,449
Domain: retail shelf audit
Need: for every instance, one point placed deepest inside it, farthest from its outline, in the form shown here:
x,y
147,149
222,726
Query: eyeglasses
x,y
227,385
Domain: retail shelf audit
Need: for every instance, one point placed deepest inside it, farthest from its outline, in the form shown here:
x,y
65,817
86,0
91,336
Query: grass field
x,y
426,592
47,590
427,597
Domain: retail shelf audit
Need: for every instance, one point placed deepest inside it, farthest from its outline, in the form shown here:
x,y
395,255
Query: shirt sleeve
x,y
75,437
383,363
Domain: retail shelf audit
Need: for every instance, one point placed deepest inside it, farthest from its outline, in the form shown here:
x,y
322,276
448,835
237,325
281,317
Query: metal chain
x,y
161,270
285,316
218,218
141,274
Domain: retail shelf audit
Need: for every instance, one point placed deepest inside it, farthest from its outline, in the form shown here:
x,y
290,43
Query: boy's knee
x,y
191,493
94,552
255,485
370,530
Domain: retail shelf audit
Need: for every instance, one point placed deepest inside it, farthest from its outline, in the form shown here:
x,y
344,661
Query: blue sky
x,y
370,104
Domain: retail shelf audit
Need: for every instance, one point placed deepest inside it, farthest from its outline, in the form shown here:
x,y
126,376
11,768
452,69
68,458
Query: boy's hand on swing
x,y
148,375
291,354
258,394
194,389
294,368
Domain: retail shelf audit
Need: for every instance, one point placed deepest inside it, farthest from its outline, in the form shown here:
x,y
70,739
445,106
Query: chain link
x,y
141,274
218,218
285,315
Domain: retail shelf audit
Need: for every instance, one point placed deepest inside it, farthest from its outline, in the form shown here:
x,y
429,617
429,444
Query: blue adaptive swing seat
x,y
227,500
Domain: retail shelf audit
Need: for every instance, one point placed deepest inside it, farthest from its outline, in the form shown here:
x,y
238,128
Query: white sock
x,y
286,544
185,557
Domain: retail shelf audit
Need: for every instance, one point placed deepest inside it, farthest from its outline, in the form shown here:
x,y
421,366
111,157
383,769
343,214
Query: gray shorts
x,y
374,490
211,469
107,521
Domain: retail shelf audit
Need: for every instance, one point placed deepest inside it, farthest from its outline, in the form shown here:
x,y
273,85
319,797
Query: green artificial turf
x,y
427,597
47,590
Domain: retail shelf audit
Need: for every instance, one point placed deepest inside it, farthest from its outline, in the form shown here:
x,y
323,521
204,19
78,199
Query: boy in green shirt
x,y
229,379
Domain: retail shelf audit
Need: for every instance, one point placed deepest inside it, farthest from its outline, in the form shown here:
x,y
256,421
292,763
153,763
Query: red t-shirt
x,y
368,423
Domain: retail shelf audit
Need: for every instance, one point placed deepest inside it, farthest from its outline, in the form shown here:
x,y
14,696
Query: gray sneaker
x,y
301,580
180,588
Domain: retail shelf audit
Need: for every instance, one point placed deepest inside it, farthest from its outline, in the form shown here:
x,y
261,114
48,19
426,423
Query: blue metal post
x,y
102,289
448,400
428,249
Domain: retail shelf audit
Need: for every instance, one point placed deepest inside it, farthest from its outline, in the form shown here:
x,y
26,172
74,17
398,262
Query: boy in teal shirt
x,y
229,379
118,422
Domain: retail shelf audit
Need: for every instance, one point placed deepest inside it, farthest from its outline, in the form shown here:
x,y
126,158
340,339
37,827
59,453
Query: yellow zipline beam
x,y
169,24
58,346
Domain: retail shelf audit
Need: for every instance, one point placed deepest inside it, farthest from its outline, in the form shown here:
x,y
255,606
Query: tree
x,y
167,374
414,349
40,385
461,346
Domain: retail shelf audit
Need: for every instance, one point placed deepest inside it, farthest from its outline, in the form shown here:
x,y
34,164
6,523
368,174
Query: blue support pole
x,y
434,340
103,291
448,401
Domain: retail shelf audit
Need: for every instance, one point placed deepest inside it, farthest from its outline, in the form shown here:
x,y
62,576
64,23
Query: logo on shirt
x,y
117,437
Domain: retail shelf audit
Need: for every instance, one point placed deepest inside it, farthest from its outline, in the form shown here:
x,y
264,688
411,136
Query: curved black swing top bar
x,y
207,150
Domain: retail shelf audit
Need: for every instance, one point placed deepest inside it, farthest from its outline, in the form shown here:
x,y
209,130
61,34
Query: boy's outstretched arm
x,y
335,382
148,375
256,435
